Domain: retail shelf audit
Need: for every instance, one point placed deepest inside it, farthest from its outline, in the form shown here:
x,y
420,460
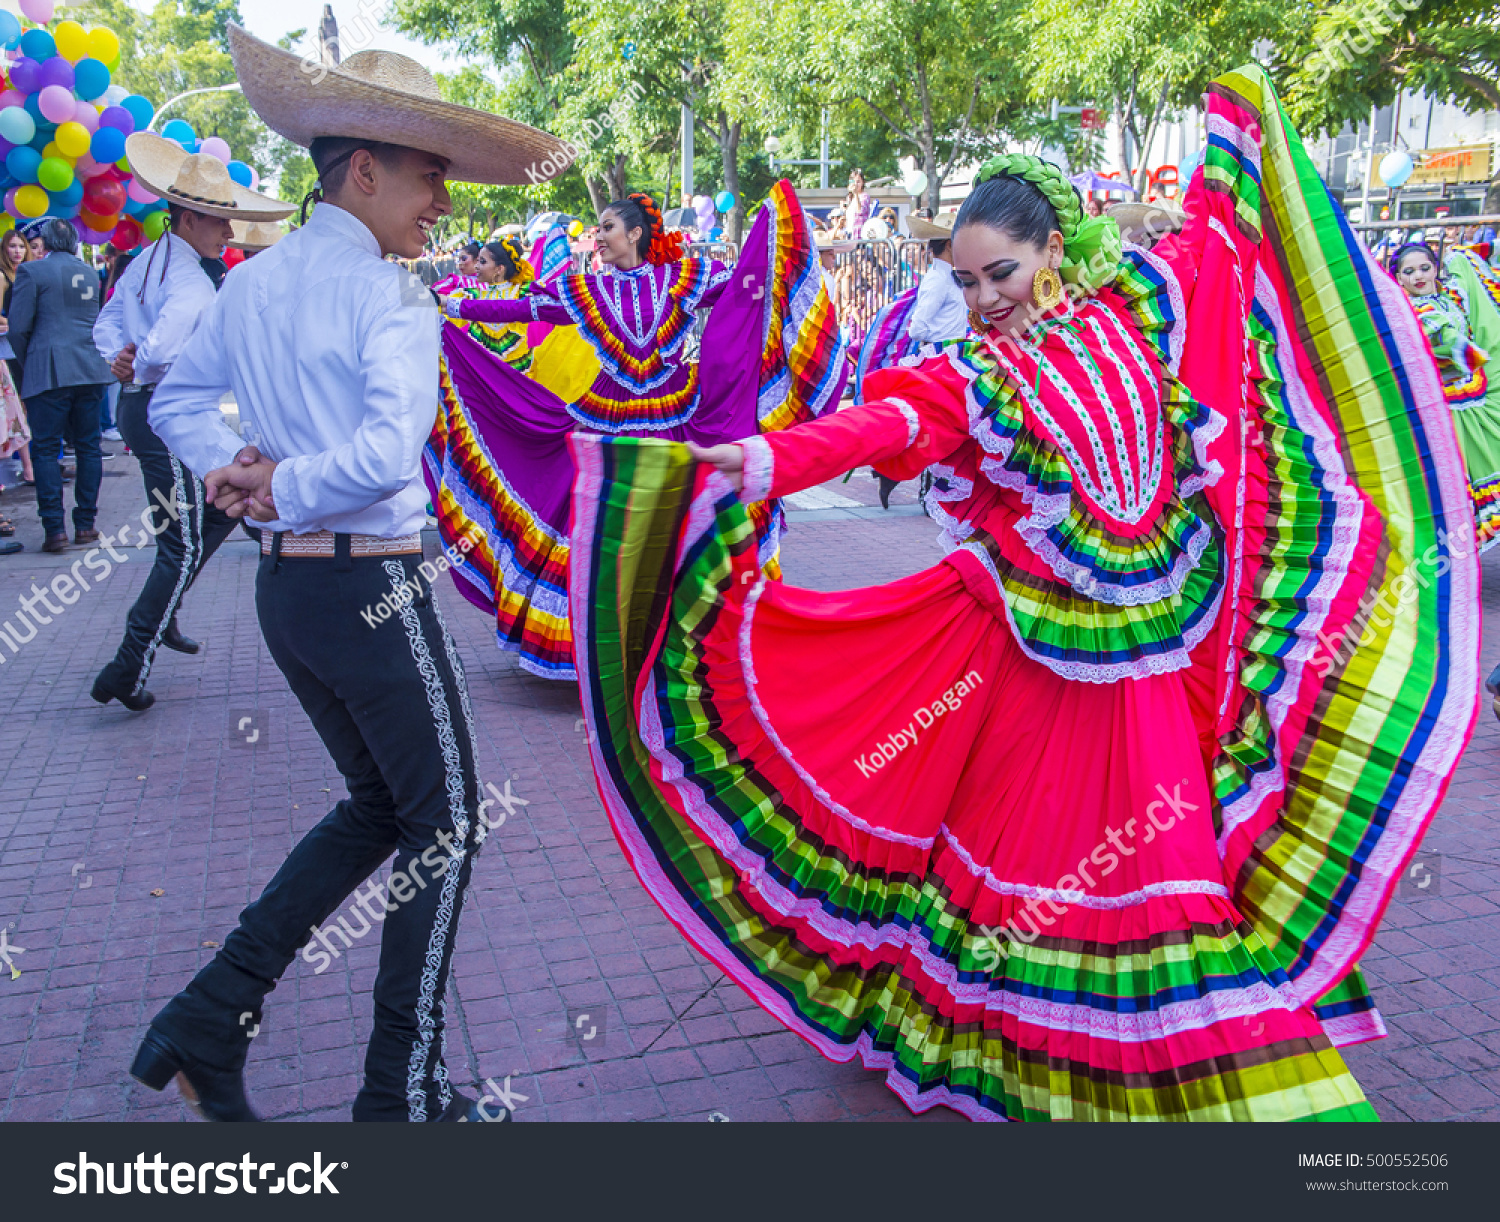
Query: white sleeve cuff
x,y
758,472
909,414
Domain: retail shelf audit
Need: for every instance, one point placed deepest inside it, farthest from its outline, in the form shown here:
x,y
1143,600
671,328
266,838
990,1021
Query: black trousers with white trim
x,y
389,703
192,531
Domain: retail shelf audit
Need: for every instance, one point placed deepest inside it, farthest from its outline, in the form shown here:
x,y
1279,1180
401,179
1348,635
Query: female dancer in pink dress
x,y
498,463
1093,819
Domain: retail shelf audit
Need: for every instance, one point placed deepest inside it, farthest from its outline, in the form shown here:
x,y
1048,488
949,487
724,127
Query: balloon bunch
x,y
146,208
63,126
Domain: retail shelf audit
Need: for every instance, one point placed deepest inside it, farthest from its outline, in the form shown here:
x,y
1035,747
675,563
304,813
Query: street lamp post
x,y
170,102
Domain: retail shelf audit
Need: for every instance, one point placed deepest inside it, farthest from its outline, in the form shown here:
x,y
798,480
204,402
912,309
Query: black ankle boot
x,y
136,702
214,1094
173,639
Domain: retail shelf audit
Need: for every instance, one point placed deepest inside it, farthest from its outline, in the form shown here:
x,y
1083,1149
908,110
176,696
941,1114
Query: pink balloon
x,y
40,11
56,103
254,178
216,146
87,167
12,97
138,193
85,114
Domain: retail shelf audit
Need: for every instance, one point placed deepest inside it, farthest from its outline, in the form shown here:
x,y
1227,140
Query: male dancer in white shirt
x,y
332,354
157,304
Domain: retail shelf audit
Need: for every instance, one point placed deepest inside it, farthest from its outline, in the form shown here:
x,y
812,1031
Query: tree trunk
x,y
616,175
729,149
597,195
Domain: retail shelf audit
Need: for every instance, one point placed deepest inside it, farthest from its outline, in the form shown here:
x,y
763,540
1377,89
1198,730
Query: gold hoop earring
x,y
1047,289
977,323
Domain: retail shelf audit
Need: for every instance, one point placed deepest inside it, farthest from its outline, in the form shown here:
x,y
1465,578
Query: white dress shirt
x,y
178,294
940,313
332,355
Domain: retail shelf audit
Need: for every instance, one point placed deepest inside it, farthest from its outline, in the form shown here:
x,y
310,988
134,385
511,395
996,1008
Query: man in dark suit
x,y
63,377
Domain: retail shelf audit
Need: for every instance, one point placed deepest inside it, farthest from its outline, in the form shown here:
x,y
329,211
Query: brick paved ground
x,y
100,808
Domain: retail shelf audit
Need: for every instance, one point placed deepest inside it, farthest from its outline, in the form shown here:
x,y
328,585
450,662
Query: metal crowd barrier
x,y
1386,237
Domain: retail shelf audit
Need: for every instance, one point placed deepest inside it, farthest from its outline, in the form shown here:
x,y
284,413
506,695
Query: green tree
x,y
1350,55
1144,59
940,76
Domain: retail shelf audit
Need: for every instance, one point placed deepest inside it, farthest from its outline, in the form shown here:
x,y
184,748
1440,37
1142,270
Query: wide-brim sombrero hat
x,y
379,95
255,236
1157,219
939,229
197,181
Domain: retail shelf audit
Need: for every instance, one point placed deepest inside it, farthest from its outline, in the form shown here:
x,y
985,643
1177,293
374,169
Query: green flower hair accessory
x,y
1092,246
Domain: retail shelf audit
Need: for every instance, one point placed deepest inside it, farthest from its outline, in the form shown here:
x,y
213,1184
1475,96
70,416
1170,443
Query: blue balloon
x,y
179,130
135,208
34,109
241,173
44,135
71,196
108,144
21,163
141,109
37,44
10,29
90,79
16,125
724,201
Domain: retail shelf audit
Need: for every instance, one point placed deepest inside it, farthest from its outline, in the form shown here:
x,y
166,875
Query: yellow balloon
x,y
72,42
52,150
30,200
7,223
72,139
103,45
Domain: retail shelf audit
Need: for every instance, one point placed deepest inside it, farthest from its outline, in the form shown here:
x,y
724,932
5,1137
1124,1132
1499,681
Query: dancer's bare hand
x,y
123,366
727,459
243,489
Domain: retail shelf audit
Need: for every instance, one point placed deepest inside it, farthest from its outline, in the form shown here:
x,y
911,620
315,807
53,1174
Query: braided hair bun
x,y
520,270
1029,197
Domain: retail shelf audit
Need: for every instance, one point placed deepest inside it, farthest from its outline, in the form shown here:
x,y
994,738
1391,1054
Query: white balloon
x,y
114,95
1396,168
916,182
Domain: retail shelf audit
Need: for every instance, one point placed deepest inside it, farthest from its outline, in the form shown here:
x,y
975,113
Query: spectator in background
x,y
52,312
32,232
1094,207
14,251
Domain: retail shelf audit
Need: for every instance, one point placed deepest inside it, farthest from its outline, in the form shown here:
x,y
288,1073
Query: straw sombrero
x,y
197,181
1140,219
827,244
939,229
256,236
379,95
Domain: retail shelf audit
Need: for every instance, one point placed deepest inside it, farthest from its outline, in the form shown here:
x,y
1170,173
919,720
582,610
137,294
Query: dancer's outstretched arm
x,y
919,421
532,307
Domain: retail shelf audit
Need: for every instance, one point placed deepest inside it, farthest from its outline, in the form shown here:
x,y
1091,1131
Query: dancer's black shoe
x,y
173,639
136,702
214,1094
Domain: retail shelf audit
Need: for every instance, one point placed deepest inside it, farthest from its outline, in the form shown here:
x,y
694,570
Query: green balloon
x,y
55,174
155,225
